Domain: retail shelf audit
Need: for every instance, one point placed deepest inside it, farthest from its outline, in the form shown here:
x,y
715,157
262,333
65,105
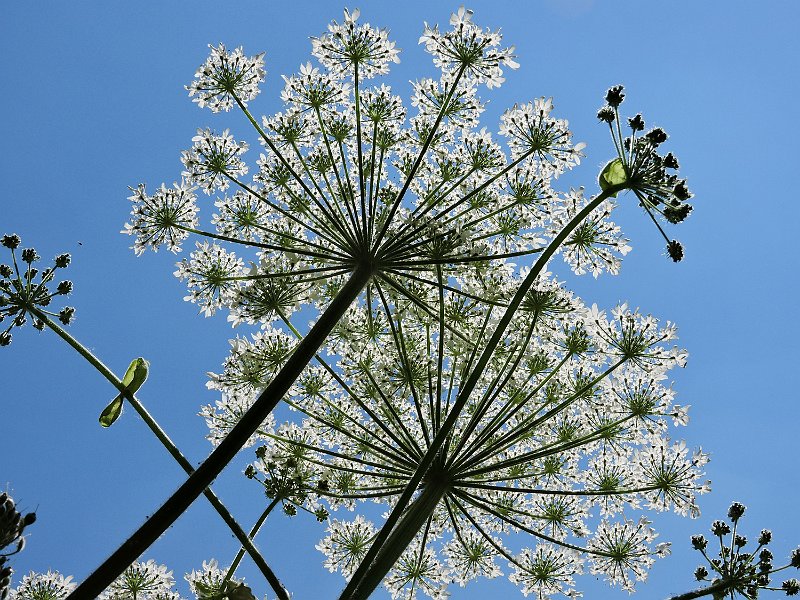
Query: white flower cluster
x,y
470,49
563,428
226,76
557,427
163,218
140,581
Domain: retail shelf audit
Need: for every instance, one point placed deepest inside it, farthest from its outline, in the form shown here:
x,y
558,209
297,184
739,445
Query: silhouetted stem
x,y
183,497
253,532
165,440
720,586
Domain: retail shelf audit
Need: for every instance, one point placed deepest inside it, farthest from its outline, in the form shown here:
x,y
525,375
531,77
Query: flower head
x,y
468,49
142,581
531,131
43,586
211,582
516,463
226,77
212,275
644,170
163,218
348,47
26,292
213,160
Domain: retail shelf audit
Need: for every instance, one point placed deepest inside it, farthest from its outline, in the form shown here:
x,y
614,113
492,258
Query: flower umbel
x,y
225,76
644,170
25,291
737,572
473,398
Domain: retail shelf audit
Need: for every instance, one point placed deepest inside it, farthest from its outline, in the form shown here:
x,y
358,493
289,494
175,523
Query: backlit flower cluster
x,y
558,427
346,175
143,580
26,292
566,433
225,76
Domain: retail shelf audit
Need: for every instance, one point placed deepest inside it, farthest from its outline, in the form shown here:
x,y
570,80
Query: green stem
x,y
171,448
414,518
420,157
213,465
720,586
251,536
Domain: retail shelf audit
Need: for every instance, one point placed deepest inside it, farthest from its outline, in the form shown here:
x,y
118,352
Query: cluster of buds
x,y
739,571
12,526
290,481
21,294
646,172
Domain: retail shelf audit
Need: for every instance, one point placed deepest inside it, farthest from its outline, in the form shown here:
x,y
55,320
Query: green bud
x,y
111,412
613,174
135,376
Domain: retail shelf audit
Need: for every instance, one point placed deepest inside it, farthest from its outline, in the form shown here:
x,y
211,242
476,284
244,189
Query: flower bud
x,y
29,255
62,261
615,96
11,242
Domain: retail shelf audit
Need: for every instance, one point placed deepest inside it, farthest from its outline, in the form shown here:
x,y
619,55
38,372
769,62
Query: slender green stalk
x,y
212,466
420,157
253,532
358,586
172,449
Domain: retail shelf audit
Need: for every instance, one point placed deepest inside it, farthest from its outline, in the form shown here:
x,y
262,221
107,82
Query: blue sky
x,y
93,102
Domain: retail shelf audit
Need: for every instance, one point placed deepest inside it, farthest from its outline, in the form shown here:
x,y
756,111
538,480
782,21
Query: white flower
x,y
418,570
162,218
213,160
350,46
470,556
532,132
210,582
621,551
225,77
225,414
211,274
43,586
469,49
546,570
313,90
142,581
597,244
243,216
346,544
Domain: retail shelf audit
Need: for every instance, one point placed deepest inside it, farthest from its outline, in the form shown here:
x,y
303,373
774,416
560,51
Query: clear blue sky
x,y
93,101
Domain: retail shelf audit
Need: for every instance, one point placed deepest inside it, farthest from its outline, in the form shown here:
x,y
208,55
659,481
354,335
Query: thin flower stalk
x,y
161,435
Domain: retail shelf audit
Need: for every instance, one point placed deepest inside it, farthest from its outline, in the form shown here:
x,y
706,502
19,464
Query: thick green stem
x,y
465,391
183,497
720,586
412,522
162,436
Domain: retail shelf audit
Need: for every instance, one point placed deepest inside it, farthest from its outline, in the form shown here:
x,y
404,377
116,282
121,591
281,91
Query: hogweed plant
x,y
447,373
